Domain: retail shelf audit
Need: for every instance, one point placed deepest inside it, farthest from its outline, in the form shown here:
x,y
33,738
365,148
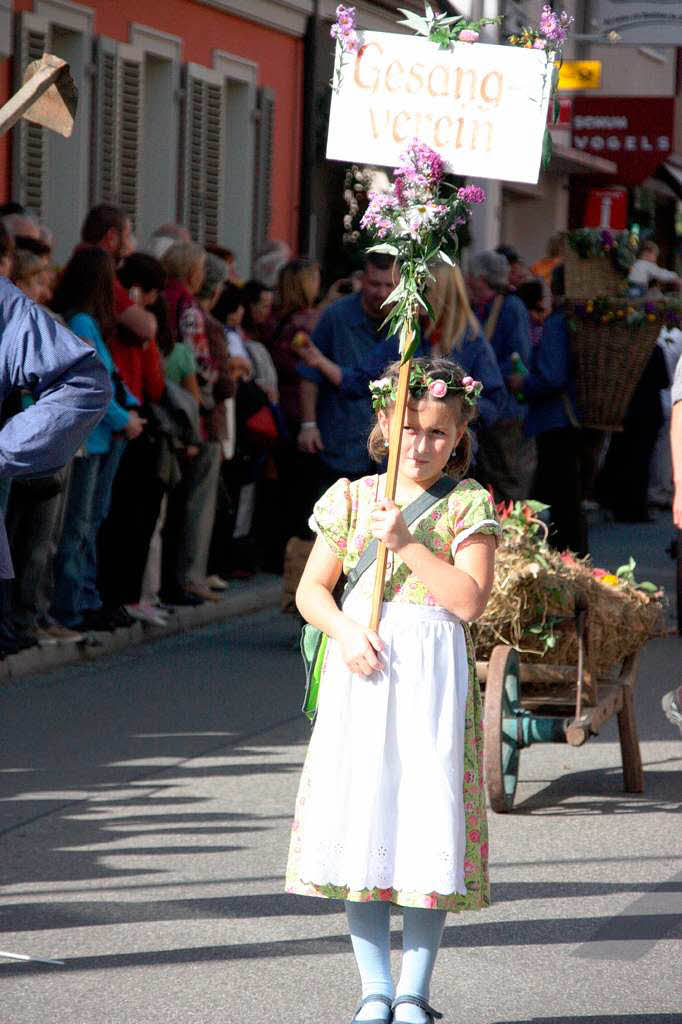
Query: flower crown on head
x,y
384,392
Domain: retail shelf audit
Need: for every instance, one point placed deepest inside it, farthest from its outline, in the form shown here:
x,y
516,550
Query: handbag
x,y
313,640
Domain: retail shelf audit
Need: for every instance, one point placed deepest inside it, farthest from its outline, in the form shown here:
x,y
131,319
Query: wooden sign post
x,y
394,441
472,105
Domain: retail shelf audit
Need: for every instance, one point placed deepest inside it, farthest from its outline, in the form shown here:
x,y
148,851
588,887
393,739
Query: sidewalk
x,y
262,592
611,544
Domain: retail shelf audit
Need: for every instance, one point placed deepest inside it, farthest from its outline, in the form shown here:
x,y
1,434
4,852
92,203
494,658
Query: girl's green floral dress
x,y
391,804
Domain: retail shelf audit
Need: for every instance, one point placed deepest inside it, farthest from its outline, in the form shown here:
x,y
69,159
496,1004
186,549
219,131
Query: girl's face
x,y
430,435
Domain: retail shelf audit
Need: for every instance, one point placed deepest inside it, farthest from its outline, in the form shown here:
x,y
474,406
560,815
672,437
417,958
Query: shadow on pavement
x,y
539,932
600,791
511,892
637,1018
629,1018
94,759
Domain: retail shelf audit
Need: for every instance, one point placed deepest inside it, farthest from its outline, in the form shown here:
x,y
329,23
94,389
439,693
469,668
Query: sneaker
x,y
145,613
61,634
216,583
44,639
182,599
202,591
106,620
672,706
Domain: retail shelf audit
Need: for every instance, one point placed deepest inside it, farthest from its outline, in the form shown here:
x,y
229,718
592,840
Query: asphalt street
x,y
145,803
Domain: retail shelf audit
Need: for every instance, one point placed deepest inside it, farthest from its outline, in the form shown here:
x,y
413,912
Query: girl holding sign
x,y
391,806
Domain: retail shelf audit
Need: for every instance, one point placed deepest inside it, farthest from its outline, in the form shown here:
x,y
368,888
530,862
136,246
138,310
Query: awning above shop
x,y
568,160
671,174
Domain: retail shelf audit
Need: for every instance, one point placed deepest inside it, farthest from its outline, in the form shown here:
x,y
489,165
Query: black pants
x,y
33,528
125,536
558,483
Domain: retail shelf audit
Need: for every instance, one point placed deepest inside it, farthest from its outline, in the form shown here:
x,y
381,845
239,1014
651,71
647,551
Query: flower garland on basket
x,y
591,243
631,313
415,220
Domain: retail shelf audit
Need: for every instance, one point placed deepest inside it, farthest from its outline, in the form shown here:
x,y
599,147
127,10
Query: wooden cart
x,y
566,704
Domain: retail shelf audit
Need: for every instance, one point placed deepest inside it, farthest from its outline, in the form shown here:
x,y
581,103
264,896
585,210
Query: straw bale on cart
x,y
533,602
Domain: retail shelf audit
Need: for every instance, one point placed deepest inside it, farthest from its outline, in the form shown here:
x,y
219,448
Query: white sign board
x,y
483,108
644,23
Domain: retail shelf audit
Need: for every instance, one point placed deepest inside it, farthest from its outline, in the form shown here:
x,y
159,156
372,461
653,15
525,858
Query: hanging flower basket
x,y
597,262
612,343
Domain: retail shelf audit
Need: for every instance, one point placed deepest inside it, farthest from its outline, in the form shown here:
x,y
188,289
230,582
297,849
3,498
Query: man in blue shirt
x,y
68,382
350,348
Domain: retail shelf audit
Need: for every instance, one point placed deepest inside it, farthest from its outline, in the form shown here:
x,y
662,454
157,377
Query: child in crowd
x,y
391,807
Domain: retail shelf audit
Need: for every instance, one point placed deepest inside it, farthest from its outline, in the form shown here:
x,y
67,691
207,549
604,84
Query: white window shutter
x,y
130,130
29,141
104,183
265,141
117,126
201,143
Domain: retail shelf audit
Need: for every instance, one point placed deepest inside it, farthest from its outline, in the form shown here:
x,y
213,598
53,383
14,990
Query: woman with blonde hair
x,y
455,332
299,286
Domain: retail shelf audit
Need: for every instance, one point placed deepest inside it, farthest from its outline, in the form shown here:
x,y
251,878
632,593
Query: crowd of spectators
x,y
236,403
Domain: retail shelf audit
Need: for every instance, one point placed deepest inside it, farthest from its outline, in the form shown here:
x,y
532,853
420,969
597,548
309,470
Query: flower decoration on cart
x,y
415,220
383,391
535,591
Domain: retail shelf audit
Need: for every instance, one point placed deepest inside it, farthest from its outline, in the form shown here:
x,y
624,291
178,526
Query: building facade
x,y
188,111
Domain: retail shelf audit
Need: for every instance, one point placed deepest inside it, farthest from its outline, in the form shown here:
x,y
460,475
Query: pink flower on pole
x,y
438,388
345,29
472,194
468,35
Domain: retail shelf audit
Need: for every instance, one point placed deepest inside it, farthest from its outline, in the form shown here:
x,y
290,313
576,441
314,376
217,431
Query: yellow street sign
x,y
580,74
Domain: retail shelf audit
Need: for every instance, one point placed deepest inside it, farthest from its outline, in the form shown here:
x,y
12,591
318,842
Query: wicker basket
x,y
609,362
588,277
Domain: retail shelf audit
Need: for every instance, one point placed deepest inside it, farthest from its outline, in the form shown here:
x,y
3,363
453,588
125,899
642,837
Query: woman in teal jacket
x,y
86,298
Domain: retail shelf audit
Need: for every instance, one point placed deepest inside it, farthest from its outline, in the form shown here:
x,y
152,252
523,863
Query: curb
x,y
254,596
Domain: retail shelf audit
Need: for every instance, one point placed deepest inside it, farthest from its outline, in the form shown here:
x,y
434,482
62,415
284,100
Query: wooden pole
x,y
394,441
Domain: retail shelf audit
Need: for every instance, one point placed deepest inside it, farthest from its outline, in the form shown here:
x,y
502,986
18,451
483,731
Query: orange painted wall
x,y
204,29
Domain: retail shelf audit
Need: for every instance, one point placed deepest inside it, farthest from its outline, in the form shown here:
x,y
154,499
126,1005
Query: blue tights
x,y
370,931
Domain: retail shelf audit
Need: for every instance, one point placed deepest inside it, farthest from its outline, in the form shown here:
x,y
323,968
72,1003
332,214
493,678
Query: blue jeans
x,y
101,503
71,560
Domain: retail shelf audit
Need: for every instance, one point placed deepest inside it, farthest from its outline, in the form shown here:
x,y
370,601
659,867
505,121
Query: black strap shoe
x,y
421,1003
378,998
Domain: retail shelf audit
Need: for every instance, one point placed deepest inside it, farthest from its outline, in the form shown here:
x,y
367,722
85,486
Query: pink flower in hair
x,y
438,388
471,386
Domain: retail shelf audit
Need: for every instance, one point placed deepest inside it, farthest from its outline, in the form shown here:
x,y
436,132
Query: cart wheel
x,y
501,751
